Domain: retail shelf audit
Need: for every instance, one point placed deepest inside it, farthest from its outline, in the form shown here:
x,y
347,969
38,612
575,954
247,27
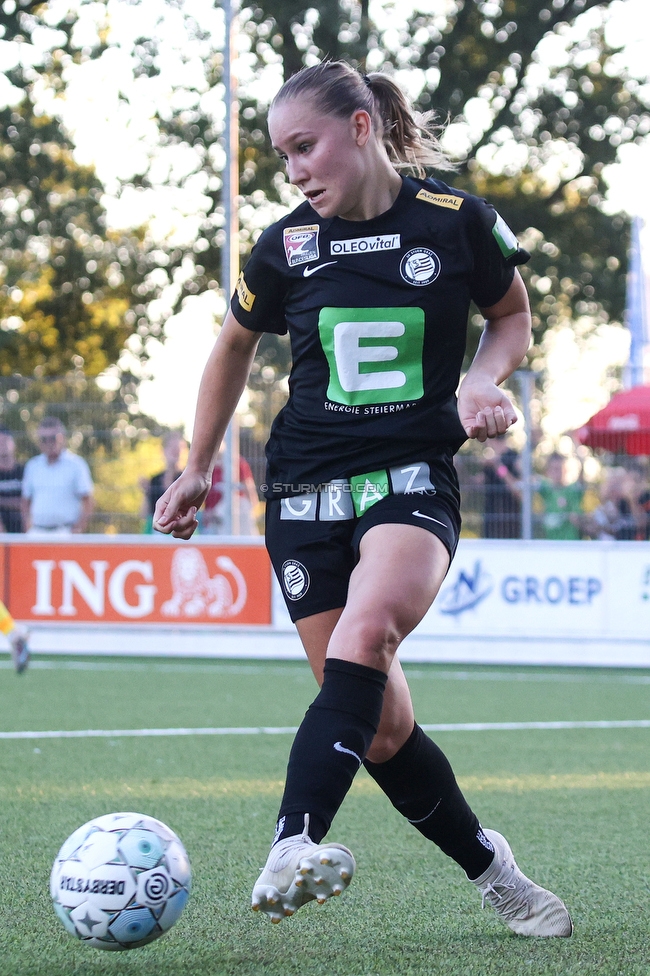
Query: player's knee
x,y
374,638
387,743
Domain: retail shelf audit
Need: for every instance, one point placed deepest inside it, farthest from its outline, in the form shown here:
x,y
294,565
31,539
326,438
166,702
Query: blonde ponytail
x,y
410,137
338,89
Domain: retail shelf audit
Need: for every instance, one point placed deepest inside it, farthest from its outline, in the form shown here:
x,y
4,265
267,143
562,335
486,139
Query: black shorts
x,y
313,539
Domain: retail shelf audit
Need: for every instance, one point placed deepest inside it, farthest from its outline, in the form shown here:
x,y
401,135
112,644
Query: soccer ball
x,y
120,881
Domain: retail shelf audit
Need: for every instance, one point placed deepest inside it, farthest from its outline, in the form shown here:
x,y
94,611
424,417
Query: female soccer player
x,y
372,276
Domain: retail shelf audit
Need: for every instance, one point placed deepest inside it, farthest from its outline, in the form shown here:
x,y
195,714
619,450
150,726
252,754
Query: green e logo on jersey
x,y
374,354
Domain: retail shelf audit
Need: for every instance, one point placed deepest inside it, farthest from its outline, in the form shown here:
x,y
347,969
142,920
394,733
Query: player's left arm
x,y
485,410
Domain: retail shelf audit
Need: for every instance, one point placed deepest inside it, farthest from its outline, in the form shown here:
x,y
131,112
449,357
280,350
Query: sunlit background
x,y
118,136
134,81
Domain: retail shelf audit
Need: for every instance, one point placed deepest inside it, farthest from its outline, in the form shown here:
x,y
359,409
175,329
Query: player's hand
x,y
484,410
175,512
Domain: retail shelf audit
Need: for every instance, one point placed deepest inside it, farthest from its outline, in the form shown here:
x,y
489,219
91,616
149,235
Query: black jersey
x,y
377,315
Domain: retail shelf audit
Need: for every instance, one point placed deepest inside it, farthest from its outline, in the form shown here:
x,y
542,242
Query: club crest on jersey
x,y
420,266
301,244
295,579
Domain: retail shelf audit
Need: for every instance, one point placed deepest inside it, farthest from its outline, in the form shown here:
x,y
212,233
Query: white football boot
x,y
526,908
297,871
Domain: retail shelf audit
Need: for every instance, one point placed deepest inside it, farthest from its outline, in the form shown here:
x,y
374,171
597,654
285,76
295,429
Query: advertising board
x,y
515,602
122,581
542,589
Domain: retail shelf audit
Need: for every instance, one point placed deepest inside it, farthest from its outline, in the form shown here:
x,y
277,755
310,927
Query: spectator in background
x,y
172,444
57,492
501,479
212,520
633,515
643,502
620,514
11,478
560,505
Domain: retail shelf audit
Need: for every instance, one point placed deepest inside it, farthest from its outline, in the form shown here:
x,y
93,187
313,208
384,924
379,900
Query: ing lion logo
x,y
196,593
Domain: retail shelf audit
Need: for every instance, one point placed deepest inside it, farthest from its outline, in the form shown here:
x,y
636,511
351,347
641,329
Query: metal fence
x,y
611,493
124,450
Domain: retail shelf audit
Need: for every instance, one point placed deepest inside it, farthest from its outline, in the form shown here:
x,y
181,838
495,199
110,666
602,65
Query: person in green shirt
x,y
559,505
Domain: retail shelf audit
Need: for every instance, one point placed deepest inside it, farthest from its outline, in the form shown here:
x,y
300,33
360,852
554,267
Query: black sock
x,y
330,746
420,783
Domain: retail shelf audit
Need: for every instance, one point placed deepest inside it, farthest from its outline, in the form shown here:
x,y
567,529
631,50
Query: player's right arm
x,y
222,384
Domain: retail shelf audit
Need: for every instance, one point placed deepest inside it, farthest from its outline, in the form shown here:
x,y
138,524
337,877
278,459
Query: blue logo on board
x,y
467,592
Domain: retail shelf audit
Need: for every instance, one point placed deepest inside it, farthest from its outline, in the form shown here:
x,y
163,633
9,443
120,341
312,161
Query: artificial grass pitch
x,y
573,804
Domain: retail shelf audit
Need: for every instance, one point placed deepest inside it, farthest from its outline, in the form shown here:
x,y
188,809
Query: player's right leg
x,y
340,725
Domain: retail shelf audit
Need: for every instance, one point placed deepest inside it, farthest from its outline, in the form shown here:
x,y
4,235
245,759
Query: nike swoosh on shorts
x,y
310,271
431,518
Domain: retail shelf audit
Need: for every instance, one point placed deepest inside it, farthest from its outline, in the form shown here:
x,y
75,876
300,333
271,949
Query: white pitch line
x,y
140,733
414,672
643,723
291,730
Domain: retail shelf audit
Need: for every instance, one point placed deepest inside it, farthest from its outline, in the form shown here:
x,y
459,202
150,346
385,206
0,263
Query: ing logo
x,y
195,592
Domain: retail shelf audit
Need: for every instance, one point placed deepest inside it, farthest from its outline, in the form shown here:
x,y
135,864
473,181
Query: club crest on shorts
x,y
301,244
295,579
420,266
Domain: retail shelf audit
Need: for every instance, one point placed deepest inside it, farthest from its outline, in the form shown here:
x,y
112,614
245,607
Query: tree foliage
x,y
546,103
71,290
66,294
543,104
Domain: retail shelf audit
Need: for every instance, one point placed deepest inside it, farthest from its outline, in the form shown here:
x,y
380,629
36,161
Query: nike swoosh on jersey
x,y
310,271
430,517
341,748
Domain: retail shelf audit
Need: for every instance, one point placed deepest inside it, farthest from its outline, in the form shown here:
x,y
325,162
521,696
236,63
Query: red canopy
x,y
623,426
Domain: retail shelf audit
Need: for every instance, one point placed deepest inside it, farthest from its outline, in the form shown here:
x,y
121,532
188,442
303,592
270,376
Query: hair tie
x,y
367,81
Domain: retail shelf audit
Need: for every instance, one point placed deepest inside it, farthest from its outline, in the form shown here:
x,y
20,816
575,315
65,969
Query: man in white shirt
x,y
57,493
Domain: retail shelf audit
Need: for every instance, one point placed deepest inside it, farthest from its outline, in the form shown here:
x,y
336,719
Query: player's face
x,y
323,155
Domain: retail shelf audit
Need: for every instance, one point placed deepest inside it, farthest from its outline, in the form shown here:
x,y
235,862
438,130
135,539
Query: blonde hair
x,y
337,89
